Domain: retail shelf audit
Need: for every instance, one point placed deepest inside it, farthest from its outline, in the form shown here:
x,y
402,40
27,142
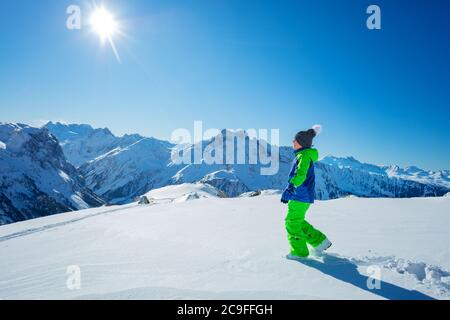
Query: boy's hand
x,y
284,197
287,193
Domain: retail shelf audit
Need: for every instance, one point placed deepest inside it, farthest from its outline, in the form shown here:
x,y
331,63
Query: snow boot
x,y
325,245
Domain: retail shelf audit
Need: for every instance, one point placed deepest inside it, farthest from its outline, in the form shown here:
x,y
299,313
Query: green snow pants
x,y
299,231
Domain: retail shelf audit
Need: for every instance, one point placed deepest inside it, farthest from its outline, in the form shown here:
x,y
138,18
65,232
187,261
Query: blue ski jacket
x,y
301,185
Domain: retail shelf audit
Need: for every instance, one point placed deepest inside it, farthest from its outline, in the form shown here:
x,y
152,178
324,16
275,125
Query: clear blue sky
x,y
382,96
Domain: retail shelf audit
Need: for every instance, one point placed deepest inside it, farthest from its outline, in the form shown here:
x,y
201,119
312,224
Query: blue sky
x,y
382,96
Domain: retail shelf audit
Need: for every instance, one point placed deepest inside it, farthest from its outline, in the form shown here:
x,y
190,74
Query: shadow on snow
x,y
345,270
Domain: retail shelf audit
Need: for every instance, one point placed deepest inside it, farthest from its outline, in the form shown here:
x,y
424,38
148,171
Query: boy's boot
x,y
323,246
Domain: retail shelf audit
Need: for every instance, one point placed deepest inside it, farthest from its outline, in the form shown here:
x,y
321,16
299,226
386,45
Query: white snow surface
x,y
183,192
215,248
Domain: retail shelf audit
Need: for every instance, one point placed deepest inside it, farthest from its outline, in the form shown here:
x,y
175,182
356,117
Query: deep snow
x,y
214,248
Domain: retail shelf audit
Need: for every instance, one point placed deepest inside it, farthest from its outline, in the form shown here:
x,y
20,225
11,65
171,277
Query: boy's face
x,y
296,145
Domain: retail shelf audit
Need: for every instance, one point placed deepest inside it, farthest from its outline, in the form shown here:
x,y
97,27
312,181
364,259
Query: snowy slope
x,y
215,248
35,178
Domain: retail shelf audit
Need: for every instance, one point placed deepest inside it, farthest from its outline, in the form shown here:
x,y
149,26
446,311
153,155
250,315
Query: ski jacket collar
x,y
312,153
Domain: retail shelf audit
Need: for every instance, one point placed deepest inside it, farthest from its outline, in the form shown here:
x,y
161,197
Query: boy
x,y
299,195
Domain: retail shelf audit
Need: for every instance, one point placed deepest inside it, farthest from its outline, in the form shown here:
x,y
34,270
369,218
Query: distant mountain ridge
x,y
123,173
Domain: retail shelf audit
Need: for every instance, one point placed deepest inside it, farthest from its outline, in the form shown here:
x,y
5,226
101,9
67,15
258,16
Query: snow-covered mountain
x,y
235,179
116,168
35,178
82,143
126,172
337,177
122,168
412,173
214,248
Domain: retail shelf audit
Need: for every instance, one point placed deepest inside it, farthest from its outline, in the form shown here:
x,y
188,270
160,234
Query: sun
x,y
105,26
103,23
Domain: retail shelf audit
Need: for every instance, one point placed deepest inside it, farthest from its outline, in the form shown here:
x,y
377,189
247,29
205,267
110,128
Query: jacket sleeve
x,y
302,170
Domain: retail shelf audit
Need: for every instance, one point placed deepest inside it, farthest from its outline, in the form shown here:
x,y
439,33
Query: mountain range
x,y
62,167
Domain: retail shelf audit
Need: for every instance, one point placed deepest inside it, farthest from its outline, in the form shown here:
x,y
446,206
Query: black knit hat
x,y
305,138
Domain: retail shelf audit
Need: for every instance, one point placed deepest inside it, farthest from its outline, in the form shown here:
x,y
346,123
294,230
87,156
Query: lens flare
x,y
105,26
103,23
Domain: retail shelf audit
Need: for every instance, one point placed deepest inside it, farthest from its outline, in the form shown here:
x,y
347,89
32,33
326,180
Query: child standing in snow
x,y
299,195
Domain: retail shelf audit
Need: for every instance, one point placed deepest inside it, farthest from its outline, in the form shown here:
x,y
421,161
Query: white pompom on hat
x,y
317,129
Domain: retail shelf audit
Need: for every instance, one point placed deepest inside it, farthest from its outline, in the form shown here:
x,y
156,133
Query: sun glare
x,y
103,23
